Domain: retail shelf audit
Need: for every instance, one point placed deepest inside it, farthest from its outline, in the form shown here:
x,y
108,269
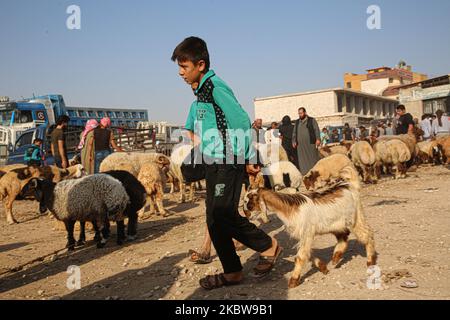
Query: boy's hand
x,y
252,169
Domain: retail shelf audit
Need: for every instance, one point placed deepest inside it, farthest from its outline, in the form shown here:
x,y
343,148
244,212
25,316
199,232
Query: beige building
x,y
330,107
426,96
378,80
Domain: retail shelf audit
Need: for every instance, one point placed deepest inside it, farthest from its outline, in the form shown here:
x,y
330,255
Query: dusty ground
x,y
411,220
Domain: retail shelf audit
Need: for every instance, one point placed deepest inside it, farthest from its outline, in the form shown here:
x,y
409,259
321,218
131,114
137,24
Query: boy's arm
x,y
226,100
36,154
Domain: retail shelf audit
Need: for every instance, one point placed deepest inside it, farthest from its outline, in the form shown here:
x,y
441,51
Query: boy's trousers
x,y
223,190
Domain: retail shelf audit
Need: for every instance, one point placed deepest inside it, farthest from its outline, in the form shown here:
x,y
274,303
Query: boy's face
x,y
38,143
191,72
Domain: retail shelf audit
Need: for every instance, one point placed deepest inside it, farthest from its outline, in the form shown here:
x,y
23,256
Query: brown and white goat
x,y
337,211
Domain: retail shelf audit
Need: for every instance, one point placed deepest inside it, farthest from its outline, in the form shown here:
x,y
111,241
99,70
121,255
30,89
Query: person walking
x,y
306,139
87,137
286,131
58,142
441,125
102,143
214,120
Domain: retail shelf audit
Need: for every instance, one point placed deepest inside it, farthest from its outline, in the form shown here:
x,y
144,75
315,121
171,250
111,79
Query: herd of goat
x,y
330,204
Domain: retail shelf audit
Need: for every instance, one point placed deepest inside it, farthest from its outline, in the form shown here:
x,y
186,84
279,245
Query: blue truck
x,y
17,152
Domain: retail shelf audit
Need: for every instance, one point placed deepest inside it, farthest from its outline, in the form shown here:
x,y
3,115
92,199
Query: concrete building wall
x,y
354,80
317,104
413,97
332,107
376,86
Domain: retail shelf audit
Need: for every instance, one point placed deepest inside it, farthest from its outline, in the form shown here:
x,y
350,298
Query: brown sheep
x,y
392,153
12,182
363,157
325,170
444,142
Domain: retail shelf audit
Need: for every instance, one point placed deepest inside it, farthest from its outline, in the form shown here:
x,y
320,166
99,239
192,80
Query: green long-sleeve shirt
x,y
215,112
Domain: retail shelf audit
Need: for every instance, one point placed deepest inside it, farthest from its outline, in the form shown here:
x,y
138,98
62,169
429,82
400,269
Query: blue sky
x,y
121,55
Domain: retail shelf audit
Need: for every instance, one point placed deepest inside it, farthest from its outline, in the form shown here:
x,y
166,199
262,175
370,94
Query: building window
x,y
110,114
431,106
339,97
134,115
118,114
349,104
101,114
142,115
391,80
91,114
349,85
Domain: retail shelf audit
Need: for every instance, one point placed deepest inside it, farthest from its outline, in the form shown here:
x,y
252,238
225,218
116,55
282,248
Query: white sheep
x,y
363,157
149,168
392,153
94,198
283,174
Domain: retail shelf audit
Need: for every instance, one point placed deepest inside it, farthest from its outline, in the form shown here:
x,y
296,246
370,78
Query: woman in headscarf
x,y
102,143
86,137
286,129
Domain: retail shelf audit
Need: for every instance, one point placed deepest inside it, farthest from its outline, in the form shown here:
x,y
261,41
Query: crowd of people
x,y
302,137
96,143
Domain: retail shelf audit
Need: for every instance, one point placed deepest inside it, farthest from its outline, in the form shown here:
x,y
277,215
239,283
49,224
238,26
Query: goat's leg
x,y
303,255
70,239
159,196
98,227
192,192
341,246
319,264
182,191
364,234
82,238
199,185
120,232
106,232
132,226
8,210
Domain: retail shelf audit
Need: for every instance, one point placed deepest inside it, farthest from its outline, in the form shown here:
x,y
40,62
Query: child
x,y
33,155
214,121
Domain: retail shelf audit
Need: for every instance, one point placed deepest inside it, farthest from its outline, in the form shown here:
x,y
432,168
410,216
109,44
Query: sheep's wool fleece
x,y
89,196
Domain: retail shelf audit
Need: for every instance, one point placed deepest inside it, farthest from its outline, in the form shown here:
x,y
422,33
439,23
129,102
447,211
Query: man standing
x,y
405,122
306,139
258,132
58,142
425,125
348,133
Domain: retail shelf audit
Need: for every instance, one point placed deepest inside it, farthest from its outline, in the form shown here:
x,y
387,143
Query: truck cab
x,y
17,152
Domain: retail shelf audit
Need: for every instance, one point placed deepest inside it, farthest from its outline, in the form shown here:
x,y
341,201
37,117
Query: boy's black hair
x,y
62,119
401,107
192,49
37,140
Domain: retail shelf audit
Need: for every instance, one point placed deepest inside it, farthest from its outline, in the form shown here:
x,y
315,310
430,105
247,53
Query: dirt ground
x,y
410,218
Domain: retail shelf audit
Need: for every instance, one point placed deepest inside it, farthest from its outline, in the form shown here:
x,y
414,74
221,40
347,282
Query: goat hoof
x,y
80,243
293,283
131,238
11,222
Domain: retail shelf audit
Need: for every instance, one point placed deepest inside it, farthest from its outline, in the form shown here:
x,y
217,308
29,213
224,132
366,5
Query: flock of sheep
x,y
128,181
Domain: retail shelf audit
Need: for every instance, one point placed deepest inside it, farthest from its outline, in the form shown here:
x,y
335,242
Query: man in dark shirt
x,y
405,122
58,142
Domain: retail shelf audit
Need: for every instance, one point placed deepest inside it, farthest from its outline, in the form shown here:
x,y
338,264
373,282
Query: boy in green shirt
x,y
222,129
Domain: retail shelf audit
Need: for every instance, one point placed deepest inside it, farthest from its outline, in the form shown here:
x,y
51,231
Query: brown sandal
x,y
265,264
218,281
199,258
